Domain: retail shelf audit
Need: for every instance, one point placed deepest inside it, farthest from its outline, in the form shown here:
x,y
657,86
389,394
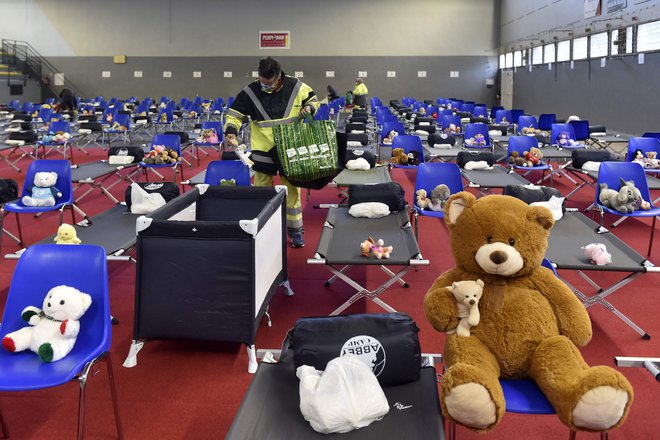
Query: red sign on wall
x,y
274,39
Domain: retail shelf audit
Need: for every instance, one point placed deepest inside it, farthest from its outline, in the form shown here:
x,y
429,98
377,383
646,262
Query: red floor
x,y
191,390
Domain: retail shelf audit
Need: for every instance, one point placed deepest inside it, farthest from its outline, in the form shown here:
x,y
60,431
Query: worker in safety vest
x,y
360,93
275,98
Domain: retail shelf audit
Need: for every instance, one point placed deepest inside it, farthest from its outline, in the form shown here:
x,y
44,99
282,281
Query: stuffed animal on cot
x,y
53,329
467,294
66,234
43,190
597,254
531,323
375,247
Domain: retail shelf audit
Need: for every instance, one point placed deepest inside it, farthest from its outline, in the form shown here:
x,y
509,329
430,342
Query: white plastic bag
x,y
346,396
143,202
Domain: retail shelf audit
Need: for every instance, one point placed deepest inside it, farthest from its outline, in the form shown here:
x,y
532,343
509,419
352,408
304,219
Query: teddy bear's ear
x,y
86,301
455,206
480,283
541,215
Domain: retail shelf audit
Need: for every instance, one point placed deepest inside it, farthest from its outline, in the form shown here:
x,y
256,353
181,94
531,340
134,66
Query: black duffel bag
x,y
390,193
8,190
388,343
581,156
169,190
464,157
94,126
126,150
183,136
26,136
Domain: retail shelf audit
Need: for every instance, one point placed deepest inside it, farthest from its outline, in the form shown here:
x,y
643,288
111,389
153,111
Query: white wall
x,y
525,22
230,28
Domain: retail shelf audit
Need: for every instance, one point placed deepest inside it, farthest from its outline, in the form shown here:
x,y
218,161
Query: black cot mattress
x,y
575,230
498,177
270,410
342,234
355,177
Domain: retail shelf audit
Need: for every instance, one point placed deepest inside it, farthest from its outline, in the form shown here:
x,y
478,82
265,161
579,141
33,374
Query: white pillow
x,y
358,164
369,210
353,144
143,202
591,166
554,205
477,165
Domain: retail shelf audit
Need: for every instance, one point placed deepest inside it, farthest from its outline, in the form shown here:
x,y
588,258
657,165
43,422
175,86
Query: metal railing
x,y
21,57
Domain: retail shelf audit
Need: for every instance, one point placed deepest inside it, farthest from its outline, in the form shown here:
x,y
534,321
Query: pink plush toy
x,y
597,253
379,251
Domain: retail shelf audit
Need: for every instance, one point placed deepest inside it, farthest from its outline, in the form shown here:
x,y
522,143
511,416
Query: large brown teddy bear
x,y
531,323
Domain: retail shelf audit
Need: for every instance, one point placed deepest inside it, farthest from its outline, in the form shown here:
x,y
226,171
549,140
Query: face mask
x,y
267,87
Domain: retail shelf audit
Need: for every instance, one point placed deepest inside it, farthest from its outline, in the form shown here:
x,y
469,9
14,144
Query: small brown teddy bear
x,y
530,323
516,159
421,199
399,157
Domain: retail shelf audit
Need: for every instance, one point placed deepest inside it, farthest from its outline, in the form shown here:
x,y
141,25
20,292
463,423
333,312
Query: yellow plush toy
x,y
530,322
66,234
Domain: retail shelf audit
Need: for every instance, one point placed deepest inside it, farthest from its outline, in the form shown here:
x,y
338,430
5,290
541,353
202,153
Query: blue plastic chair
x,y
477,128
520,144
503,117
54,127
209,125
546,120
516,113
645,145
172,141
467,107
610,173
389,126
447,120
581,130
493,111
430,175
64,185
227,170
409,143
558,129
480,111
123,119
527,121
40,268
322,113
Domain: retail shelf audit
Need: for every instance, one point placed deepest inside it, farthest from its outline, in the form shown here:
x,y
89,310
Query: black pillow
x,y
442,138
169,190
464,157
390,193
183,136
531,195
8,190
136,152
26,136
583,155
387,342
355,153
362,138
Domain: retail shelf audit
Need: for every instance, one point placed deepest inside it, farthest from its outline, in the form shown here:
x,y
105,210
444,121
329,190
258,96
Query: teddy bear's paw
x,y
45,352
8,344
600,408
470,404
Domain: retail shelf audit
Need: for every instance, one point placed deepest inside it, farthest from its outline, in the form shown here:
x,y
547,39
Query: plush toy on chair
x,y
66,234
44,192
530,323
53,330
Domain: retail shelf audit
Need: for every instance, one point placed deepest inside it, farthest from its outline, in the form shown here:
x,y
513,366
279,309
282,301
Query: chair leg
x,y
3,426
20,232
572,435
451,430
115,400
651,238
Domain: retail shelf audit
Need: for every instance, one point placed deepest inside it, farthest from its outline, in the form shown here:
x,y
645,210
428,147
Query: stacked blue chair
x,y
221,172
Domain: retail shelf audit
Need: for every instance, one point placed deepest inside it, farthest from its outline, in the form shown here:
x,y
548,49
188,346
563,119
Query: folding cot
x,y
339,245
208,264
271,408
575,230
497,177
97,173
346,178
605,141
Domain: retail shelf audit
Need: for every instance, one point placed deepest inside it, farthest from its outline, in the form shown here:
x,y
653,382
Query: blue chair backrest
x,y
124,119
467,107
447,120
50,101
516,113
546,263
645,144
432,109
503,117
63,126
526,121
15,104
557,129
217,106
44,114
494,109
652,134
144,106
109,112
227,169
432,174
27,107
611,172
322,113
520,144
169,140
230,101
63,170
546,120
198,100
480,111
389,126
216,125
477,128
44,266
581,129
409,143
